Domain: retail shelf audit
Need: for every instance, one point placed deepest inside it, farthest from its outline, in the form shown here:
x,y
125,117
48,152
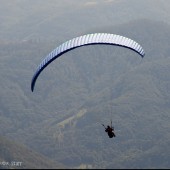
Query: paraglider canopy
x,y
89,39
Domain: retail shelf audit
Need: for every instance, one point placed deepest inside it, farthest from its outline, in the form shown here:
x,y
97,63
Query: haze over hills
x,y
88,86
63,20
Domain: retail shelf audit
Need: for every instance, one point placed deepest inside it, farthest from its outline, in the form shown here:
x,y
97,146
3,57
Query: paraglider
x,y
89,39
110,130
84,40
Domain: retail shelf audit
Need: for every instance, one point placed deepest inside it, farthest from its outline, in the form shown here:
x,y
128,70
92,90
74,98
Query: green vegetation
x,y
84,88
61,120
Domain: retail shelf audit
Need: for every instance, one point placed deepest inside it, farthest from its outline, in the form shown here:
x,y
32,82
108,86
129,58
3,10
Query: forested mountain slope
x,y
86,87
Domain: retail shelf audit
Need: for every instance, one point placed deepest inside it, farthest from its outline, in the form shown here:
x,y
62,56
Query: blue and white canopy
x,y
89,39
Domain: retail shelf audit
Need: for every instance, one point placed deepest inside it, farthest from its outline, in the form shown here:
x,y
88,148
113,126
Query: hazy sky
x,y
28,19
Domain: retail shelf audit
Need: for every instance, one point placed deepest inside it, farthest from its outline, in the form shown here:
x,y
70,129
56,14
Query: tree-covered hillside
x,y
88,86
